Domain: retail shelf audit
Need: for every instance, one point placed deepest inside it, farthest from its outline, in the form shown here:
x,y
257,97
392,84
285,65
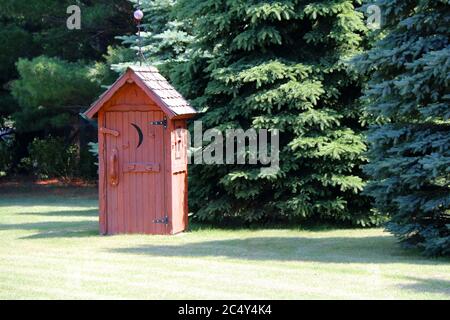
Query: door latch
x,y
164,220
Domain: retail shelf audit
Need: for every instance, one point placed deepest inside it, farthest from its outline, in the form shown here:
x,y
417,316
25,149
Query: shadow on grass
x,y
342,250
53,229
75,213
49,201
58,229
32,190
428,285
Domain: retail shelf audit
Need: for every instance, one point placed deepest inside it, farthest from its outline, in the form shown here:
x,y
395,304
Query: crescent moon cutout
x,y
140,134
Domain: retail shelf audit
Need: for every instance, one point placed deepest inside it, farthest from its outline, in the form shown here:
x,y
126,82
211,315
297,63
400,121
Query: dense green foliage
x,y
279,65
45,23
40,102
48,73
33,28
408,95
50,158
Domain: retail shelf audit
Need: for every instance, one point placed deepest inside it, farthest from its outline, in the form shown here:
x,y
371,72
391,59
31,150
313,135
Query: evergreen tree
x,y
279,65
408,98
164,39
51,91
45,22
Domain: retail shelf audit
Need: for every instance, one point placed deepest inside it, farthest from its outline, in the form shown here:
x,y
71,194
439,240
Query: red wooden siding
x,y
179,175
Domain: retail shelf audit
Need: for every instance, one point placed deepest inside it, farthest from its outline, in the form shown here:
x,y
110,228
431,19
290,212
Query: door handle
x,y
110,131
114,167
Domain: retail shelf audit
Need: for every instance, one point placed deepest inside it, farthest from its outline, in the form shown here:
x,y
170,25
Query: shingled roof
x,y
155,86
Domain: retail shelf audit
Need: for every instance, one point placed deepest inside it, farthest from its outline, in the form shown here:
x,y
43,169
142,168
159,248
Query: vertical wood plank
x,y
127,179
109,214
146,178
140,196
156,185
167,146
151,185
133,189
113,200
159,191
122,182
166,182
102,176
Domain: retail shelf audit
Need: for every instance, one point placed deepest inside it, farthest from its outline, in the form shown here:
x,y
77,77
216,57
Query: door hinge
x,y
164,220
160,123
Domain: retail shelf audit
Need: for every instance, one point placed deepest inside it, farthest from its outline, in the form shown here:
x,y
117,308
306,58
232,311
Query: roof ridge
x,y
151,69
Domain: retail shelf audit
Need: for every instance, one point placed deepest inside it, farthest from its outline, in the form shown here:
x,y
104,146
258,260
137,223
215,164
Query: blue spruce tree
x,y
408,97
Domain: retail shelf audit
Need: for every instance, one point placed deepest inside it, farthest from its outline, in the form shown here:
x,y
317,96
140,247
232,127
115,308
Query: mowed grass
x,y
50,249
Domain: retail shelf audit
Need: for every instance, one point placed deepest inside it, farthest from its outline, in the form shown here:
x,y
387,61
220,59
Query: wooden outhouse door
x,y
135,186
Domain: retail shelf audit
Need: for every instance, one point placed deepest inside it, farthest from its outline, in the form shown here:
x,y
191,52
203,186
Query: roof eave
x,y
184,116
91,113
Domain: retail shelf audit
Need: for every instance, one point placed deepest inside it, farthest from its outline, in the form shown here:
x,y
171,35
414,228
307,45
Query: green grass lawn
x,y
50,248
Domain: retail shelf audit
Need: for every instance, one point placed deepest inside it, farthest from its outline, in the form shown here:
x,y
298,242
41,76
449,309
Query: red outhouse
x,y
142,154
